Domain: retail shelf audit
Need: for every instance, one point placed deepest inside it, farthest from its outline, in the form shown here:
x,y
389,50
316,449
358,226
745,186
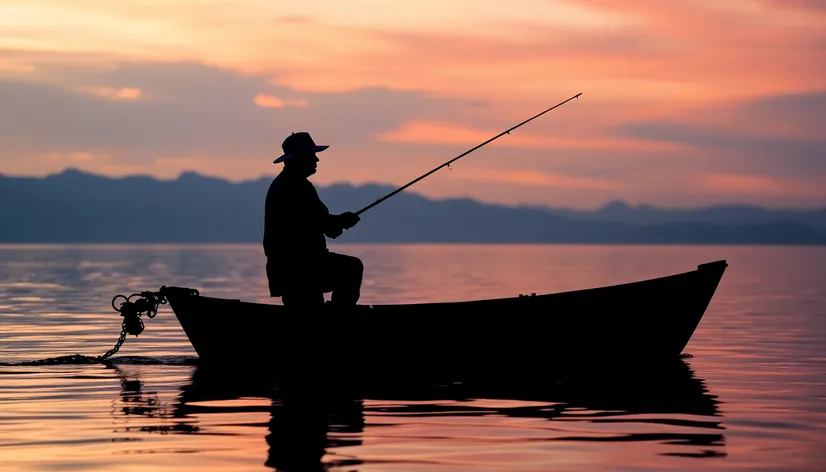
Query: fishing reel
x,y
131,311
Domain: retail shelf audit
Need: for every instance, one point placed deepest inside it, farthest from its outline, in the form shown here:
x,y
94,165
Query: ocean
x,y
750,393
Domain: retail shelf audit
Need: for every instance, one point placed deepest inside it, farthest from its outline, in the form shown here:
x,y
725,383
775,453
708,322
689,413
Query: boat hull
x,y
644,321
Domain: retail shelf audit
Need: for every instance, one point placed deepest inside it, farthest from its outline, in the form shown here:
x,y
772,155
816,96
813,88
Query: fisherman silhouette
x,y
300,267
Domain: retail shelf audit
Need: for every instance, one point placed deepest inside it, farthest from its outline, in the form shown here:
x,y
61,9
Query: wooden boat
x,y
638,322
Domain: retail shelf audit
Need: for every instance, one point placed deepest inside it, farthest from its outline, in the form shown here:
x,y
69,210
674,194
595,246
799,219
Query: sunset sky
x,y
684,102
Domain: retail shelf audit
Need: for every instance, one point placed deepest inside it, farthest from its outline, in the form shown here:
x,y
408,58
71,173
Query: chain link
x,y
115,349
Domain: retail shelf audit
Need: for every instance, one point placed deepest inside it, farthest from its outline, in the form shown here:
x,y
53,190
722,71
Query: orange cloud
x,y
126,93
269,101
73,157
10,66
540,179
679,50
439,133
754,184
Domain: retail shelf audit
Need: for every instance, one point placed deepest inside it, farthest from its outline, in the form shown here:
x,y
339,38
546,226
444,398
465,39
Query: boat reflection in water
x,y
316,424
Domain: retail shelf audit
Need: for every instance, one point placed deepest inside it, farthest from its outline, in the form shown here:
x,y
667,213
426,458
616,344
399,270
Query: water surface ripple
x,y
750,396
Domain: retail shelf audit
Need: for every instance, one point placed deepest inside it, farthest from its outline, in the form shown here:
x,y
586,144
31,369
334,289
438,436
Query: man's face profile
x,y
305,163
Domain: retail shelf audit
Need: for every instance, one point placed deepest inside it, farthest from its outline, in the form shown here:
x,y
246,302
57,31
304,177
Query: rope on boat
x,y
147,304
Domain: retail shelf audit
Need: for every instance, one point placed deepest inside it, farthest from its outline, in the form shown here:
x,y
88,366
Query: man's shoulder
x,y
277,187
285,183
281,180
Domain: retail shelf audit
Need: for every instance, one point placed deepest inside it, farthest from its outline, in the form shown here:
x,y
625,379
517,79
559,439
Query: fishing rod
x,y
447,164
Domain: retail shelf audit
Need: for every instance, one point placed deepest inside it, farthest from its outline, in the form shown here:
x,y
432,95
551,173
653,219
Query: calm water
x,y
752,397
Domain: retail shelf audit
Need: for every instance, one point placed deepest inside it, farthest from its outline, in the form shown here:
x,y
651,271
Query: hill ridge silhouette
x,y
78,206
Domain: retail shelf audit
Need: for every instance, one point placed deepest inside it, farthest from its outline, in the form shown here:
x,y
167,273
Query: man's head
x,y
300,153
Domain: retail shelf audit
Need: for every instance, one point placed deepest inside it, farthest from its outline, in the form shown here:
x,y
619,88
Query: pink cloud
x,y
443,133
739,184
124,93
268,101
540,179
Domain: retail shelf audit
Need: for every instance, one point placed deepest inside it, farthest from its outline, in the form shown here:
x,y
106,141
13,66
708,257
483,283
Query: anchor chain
x,y
147,303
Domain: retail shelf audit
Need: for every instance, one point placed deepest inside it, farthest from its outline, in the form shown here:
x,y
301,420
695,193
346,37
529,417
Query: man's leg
x,y
303,298
276,285
296,285
343,278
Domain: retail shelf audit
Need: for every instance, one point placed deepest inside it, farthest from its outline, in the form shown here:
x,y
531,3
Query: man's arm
x,y
330,224
334,225
332,229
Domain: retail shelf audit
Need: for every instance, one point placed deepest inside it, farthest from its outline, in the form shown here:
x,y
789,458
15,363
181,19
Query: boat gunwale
x,y
720,265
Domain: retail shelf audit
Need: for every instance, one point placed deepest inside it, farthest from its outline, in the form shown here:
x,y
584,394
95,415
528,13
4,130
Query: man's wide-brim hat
x,y
297,144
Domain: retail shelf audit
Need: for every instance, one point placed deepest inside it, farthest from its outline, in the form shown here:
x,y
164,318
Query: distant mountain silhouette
x,y
75,206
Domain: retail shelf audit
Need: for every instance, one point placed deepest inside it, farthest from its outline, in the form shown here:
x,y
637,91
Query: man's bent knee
x,y
346,263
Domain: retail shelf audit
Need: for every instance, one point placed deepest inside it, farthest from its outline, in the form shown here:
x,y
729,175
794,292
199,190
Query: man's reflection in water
x,y
302,431
306,422
298,434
